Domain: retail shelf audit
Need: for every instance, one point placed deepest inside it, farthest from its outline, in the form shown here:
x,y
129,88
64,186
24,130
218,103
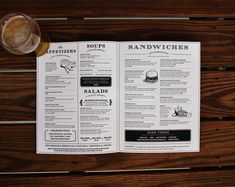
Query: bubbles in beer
x,y
18,35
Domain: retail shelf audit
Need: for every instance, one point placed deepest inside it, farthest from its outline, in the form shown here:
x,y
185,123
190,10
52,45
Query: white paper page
x,y
159,96
76,98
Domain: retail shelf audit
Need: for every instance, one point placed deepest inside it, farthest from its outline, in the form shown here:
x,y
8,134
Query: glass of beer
x,y
20,35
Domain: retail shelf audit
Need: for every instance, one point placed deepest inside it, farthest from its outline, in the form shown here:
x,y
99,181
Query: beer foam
x,y
16,32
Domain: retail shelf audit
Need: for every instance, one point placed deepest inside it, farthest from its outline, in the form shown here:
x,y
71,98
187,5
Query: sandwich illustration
x,y
151,76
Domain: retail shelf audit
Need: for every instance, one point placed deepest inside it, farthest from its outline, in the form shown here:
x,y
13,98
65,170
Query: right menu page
x,y
159,96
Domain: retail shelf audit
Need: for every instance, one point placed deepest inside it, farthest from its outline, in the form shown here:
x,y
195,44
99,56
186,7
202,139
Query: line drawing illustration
x,y
151,76
67,65
179,112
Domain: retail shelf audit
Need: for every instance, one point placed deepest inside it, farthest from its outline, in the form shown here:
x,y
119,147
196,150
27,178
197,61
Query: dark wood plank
x,y
82,8
217,94
217,37
17,153
18,95
191,178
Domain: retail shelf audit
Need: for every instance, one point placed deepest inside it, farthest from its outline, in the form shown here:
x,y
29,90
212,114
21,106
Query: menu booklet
x,y
102,97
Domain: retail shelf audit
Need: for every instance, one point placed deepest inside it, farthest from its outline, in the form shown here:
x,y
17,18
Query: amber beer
x,y
20,34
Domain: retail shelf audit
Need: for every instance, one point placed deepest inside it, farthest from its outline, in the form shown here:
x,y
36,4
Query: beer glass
x,y
20,35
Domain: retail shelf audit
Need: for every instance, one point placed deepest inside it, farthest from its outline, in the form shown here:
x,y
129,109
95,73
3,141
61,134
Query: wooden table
x,y
212,22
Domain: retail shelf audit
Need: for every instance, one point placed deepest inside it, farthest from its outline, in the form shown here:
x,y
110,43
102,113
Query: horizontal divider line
x,y
161,170
202,120
112,172
17,122
136,18
34,70
133,18
33,172
18,70
136,170
232,118
51,19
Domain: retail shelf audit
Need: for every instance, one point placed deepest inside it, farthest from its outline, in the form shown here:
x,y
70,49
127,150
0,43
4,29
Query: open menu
x,y
102,97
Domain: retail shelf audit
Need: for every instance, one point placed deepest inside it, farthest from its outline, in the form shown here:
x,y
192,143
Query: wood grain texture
x,y
17,153
217,37
18,95
17,92
96,8
166,179
217,94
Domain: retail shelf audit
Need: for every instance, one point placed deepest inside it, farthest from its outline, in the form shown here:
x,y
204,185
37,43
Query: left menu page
x,y
76,98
